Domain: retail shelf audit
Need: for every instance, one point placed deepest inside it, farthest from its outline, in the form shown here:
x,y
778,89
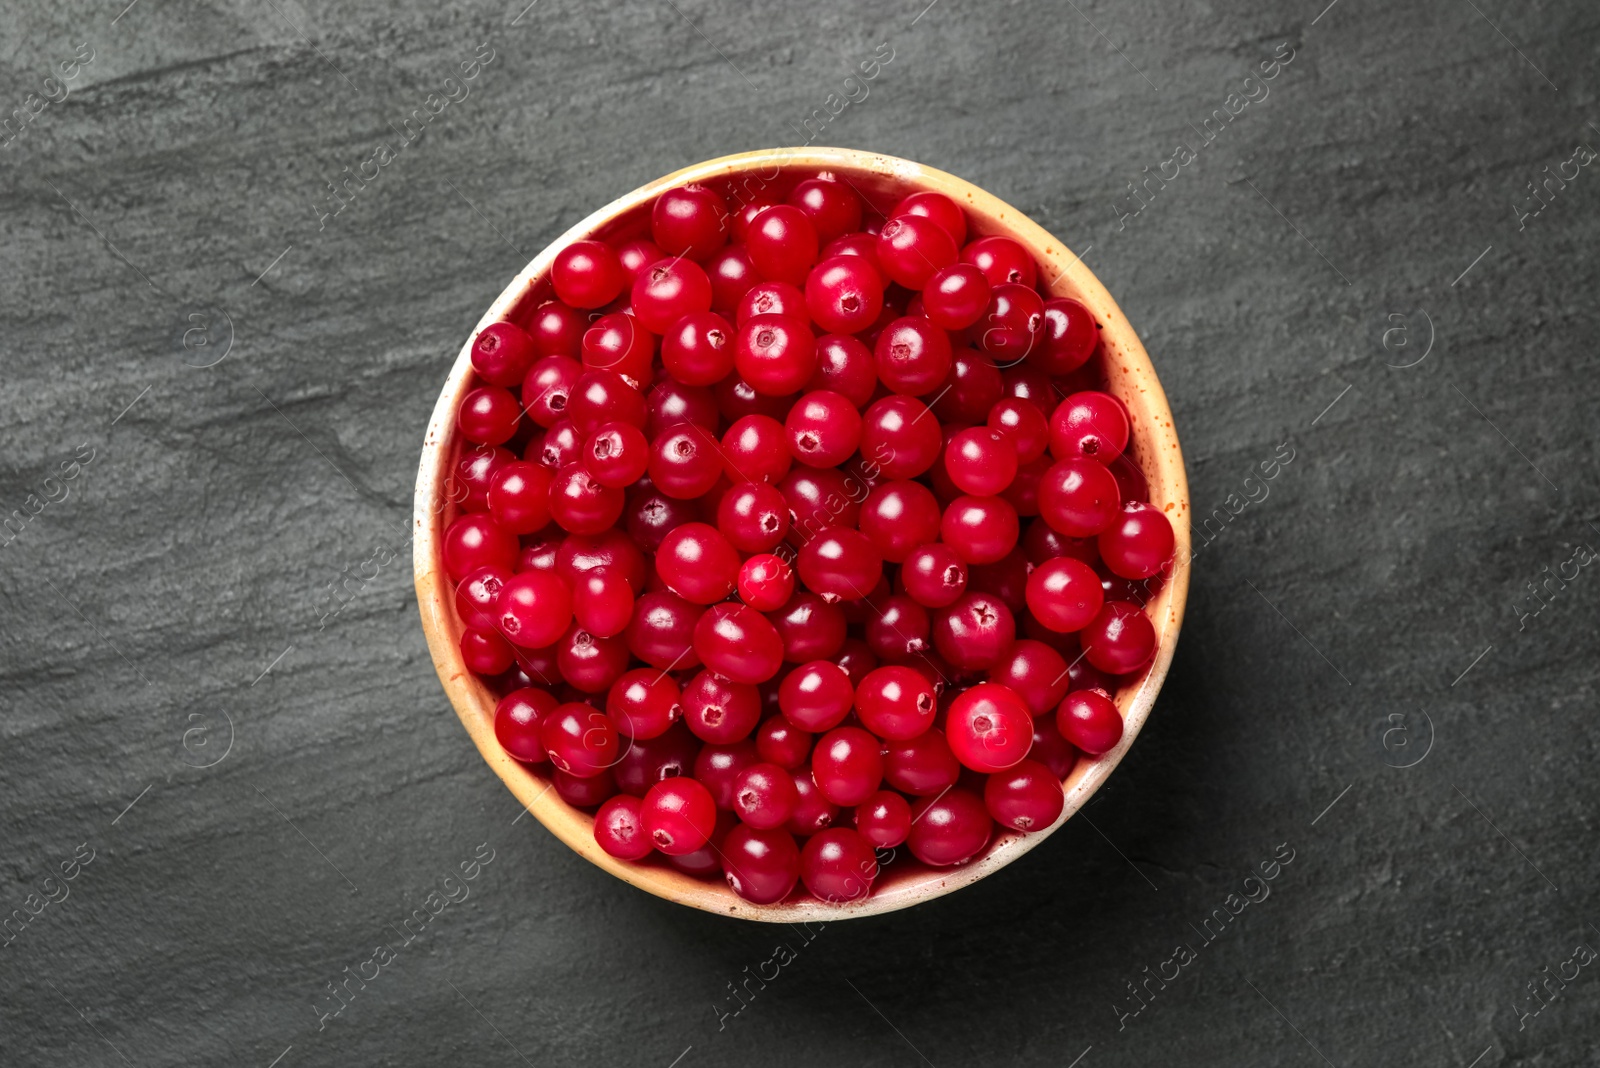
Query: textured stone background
x,y
169,206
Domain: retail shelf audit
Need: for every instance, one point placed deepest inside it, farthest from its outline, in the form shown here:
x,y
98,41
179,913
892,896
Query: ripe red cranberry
x,y
1014,323
697,563
972,387
898,628
661,632
981,461
737,642
782,743
812,812
921,766
719,710
775,354
476,541
1091,424
819,498
833,207
581,504
756,449
912,247
579,740
857,660
841,563
1120,639
671,402
516,722
823,429
816,696
489,415
1051,749
949,829
980,529
689,221
589,662
519,497
898,516
476,595
1006,578
861,244
938,207
838,866
485,652
1024,424
634,256
647,761
811,628
934,575
557,329
468,485
731,274
895,703
619,829
583,792
760,866
913,356
884,819
1027,797
989,727
541,552
956,297
974,632
772,298
502,354
697,349
754,517
766,583
846,765
668,290
1090,721
644,703
651,515
547,387
1139,542
783,243
599,397
844,295
845,366
577,553
1064,594
1002,261
557,447
900,436
587,274
718,768
619,342
535,609
615,455
764,796
679,815
684,461
1035,672
1068,339
1079,497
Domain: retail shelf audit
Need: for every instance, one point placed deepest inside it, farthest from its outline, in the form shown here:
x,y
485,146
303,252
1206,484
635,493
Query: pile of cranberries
x,y
792,531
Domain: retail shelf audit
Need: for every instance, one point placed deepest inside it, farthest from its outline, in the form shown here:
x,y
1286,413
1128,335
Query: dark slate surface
x,y
1373,601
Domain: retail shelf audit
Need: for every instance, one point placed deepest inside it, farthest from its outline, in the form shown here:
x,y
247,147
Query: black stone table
x,y
1381,261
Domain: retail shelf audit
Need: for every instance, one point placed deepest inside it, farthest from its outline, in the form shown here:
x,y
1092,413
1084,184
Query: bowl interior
x,y
1125,371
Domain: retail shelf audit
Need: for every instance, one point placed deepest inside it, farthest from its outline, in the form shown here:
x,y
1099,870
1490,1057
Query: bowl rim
x,y
1156,451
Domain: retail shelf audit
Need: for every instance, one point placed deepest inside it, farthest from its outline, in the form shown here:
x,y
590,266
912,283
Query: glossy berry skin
x,y
645,762
845,366
981,530
684,461
895,703
761,866
476,595
898,516
934,576
938,207
731,274
670,402
840,562
519,497
719,710
950,828
489,415
772,298
634,256
819,497
1120,639
619,829
485,652
981,461
838,866
756,449
1068,338
615,455
557,447
516,722
600,397
502,354
898,628
535,609
678,815
783,244
589,662
619,343
476,541
1013,323
697,563
846,766
1024,424
754,517
579,740
956,297
697,348
973,386
764,796
612,549
644,703
661,632
587,274
650,515
812,812
884,819
1064,594
913,356
557,329
668,290
1139,543
974,632
901,436
811,628
1025,798
989,728
1051,749
1090,721
1002,260
718,768
833,207
689,222
1079,497
844,295
468,485
737,642
782,743
775,354
823,429
583,792
547,388
1036,673
912,247
816,696
1091,424
581,504
766,583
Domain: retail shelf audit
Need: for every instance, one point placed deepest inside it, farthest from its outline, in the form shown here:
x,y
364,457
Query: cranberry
x,y
921,766
476,595
1139,542
651,515
764,796
782,743
857,660
912,247
557,447
934,575
619,342
973,386
579,740
772,298
1068,339
824,429
1082,675
948,829
1090,721
1022,422
1032,385
661,632
819,498
838,865
737,642
884,819
1064,594
502,354
587,274
844,295
900,629
668,290
898,516
589,662
540,553
811,628
1120,639
841,563
756,449
981,461
845,366
956,297
1092,425
1026,797
634,256
519,497
731,274
1079,497
895,703
775,354
489,415
719,710
989,727
913,356
583,791
619,829
671,402
697,349
1001,260
980,529
754,517
643,703
612,549
766,583
581,504
684,461
846,765
1052,750
485,652
696,562
761,866
832,205
477,541
938,207
647,761
557,330
898,436
974,632
718,768
679,815
783,243
615,455
812,812
1014,323
1036,672
816,696
689,221
474,473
